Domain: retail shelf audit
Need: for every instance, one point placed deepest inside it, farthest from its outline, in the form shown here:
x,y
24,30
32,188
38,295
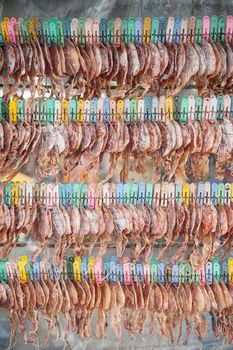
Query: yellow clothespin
x,y
15,193
5,33
169,104
80,111
120,109
65,111
77,269
186,194
230,269
91,267
13,109
32,30
146,30
22,270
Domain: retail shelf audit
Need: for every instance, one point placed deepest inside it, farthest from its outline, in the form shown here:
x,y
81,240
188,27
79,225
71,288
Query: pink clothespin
x,y
11,29
98,270
91,195
206,28
229,29
126,270
201,274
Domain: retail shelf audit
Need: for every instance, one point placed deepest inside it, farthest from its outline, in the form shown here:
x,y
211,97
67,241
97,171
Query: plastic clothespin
x,y
74,30
186,194
202,275
112,110
106,193
134,193
198,30
184,29
46,31
9,270
153,270
214,193
11,30
65,110
155,30
207,193
175,274
228,193
161,273
216,268
120,109
103,30
110,31
164,194
184,109
96,31
162,108
181,266
106,268
91,195
73,109
229,29
146,31
13,110
171,192
220,107
134,109
68,194
138,30
147,107
213,28
188,273
15,193
93,110
117,32
126,270
112,266
177,106
57,111
84,195
141,110
198,108
221,193
119,273
84,266
192,28
8,194
77,269
224,271
50,110
178,193
4,28
133,274
155,108
230,269
67,27
20,109
221,28
146,272
106,115
206,27
162,29
141,192
89,31
3,272
127,193
80,111
209,272
131,29
29,193
200,193
124,30
70,270
112,194
127,110
119,193
170,107
140,271
81,32
149,193
170,29
98,267
36,268
177,30
156,194
53,30
191,107
227,106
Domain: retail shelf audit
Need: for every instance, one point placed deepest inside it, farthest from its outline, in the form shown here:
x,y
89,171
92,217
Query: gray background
x,y
109,9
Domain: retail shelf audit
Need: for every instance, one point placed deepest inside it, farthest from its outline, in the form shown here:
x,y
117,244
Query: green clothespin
x,y
70,271
1,38
134,193
149,193
154,30
188,273
110,31
131,29
184,109
24,28
214,28
195,277
50,110
85,195
134,109
81,32
198,30
221,28
73,109
220,107
198,108
8,193
154,270
124,30
53,30
216,268
221,193
77,194
5,110
127,193
3,272
60,32
29,271
46,31
181,265
21,109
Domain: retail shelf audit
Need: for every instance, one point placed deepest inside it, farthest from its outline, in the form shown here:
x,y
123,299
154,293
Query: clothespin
x,y
156,194
200,193
224,271
120,109
84,266
230,269
154,270
155,108
175,274
117,32
126,270
3,272
91,195
70,269
161,273
98,270
206,28
209,272
22,270
186,194
77,269
216,268
106,268
91,268
113,263
146,31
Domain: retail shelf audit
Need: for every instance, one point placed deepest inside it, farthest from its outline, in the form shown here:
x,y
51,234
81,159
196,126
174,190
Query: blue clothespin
x,y
224,271
161,272
201,193
214,193
62,194
119,273
106,109
209,272
119,193
138,30
106,267
141,193
36,268
139,271
112,265
177,29
175,274
84,270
